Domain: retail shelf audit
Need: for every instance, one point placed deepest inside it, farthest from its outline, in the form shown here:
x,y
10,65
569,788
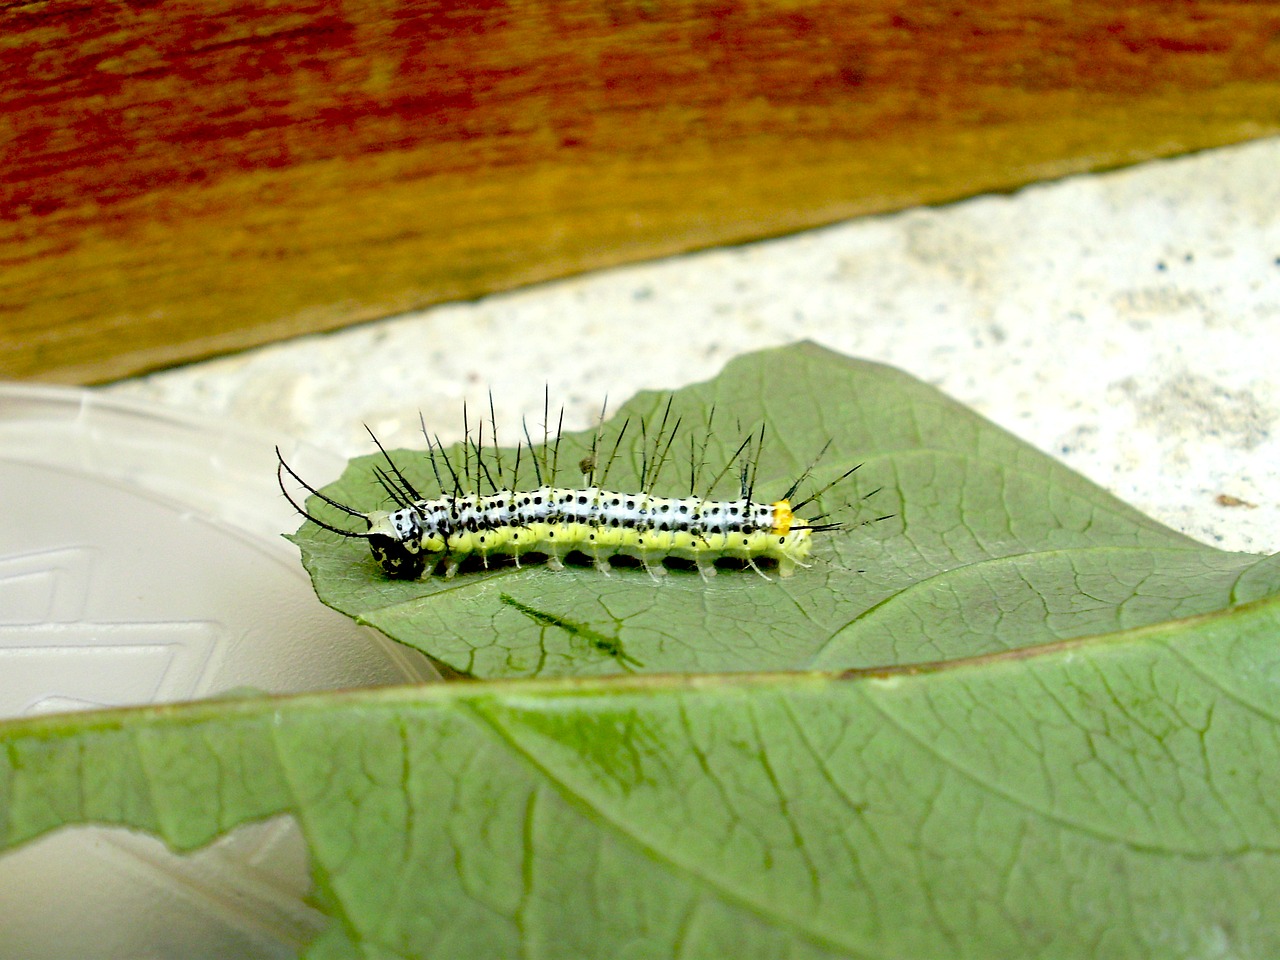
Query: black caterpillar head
x,y
395,539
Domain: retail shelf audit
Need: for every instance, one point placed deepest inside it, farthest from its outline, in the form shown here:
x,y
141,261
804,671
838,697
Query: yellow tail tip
x,y
782,518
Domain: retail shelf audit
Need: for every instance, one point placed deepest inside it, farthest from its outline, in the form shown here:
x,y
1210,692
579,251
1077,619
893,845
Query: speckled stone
x,y
1127,323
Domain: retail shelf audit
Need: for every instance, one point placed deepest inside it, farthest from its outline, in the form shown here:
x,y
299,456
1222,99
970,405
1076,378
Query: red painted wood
x,y
225,137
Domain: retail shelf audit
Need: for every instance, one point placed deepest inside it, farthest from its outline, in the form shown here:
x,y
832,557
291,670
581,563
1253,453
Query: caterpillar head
x,y
396,541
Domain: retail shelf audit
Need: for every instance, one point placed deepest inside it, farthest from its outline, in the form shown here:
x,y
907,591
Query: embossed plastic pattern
x,y
140,562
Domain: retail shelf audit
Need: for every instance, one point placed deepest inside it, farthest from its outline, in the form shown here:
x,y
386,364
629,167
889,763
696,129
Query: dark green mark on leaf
x,y
606,645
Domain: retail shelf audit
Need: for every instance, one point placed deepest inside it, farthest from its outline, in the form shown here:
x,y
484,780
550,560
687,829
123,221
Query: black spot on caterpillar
x,y
551,521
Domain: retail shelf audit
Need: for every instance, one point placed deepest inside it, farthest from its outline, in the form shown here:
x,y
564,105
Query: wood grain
x,y
183,178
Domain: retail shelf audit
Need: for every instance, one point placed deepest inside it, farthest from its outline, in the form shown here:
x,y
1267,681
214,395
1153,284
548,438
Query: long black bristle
x,y
282,468
414,494
537,471
809,499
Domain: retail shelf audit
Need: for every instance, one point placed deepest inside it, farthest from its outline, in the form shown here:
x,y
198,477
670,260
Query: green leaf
x,y
1017,720
991,546
1111,796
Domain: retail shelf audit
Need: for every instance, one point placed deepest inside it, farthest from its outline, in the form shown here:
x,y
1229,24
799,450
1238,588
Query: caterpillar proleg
x,y
552,521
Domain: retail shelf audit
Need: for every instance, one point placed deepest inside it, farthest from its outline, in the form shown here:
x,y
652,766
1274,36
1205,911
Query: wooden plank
x,y
187,177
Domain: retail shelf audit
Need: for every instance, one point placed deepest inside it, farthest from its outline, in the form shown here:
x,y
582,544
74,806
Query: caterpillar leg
x,y
657,571
706,570
556,552
787,566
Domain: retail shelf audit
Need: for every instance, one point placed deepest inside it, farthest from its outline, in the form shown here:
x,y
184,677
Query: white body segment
x,y
556,521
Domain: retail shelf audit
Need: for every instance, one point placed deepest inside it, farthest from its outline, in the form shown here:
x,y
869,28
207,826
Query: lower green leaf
x,y
1107,796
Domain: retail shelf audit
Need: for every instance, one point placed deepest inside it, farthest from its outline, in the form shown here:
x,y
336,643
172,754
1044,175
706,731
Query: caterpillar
x,y
552,521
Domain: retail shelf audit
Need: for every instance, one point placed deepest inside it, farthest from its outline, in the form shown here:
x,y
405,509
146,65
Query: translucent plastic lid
x,y
141,561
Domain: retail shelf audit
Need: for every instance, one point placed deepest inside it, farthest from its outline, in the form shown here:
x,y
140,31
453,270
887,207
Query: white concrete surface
x,y
1127,323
